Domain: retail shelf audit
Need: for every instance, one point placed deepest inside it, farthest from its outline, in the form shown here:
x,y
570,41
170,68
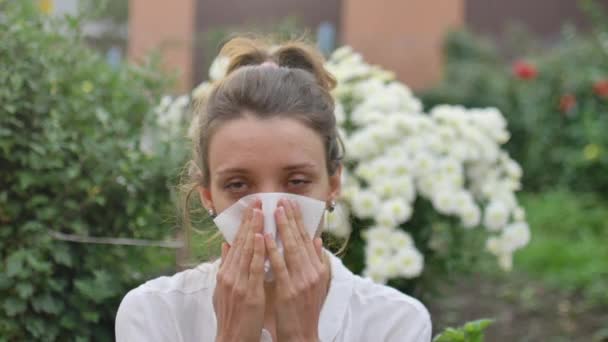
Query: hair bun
x,y
298,55
243,51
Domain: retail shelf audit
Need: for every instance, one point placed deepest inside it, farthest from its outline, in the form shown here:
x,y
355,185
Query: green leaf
x,y
61,255
5,281
13,306
47,303
14,263
91,316
36,327
478,325
25,290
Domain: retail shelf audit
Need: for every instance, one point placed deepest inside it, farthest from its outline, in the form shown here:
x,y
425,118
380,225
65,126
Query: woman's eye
x,y
298,182
236,186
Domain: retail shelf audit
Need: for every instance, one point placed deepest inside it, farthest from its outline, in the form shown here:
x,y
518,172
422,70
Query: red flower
x,y
524,70
600,88
567,102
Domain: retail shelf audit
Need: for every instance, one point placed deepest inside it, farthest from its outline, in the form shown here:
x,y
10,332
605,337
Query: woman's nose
x,y
271,186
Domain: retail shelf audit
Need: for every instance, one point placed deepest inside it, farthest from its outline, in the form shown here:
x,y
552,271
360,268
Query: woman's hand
x,y
239,299
302,276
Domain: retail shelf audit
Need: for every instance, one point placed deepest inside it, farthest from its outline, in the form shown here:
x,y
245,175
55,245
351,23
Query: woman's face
x,y
250,155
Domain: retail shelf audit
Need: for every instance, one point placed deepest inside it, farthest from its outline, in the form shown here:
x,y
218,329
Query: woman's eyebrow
x,y
300,166
231,170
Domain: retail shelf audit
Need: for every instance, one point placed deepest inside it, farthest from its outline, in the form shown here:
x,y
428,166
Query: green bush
x,y
70,128
555,100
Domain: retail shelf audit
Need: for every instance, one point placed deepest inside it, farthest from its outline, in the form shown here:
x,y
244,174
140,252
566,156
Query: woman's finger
x,y
248,246
291,221
305,250
276,261
297,214
256,268
224,253
318,242
290,247
235,248
305,238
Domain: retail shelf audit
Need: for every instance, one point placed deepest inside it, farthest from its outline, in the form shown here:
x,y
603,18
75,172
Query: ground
x,y
524,309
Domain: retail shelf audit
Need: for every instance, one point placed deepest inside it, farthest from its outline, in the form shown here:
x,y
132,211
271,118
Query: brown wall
x,y
164,25
542,17
402,35
239,14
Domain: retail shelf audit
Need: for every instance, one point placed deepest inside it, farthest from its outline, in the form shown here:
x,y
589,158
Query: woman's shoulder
x,y
379,312
368,293
188,281
159,306
388,314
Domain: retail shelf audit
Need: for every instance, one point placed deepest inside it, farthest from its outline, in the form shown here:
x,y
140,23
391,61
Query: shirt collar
x,y
335,305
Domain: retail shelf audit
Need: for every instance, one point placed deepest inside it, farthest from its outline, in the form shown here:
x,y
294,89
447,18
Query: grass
x,y
569,246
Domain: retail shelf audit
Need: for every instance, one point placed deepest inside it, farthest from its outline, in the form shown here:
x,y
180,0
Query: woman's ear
x,y
335,184
205,195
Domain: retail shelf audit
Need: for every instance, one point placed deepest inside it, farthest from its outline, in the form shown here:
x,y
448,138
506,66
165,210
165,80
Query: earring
x,y
332,206
211,212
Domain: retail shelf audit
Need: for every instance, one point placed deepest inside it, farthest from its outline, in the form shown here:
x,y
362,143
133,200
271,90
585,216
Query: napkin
x,y
229,220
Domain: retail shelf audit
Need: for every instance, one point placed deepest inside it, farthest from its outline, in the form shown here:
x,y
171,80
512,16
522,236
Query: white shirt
x,y
180,309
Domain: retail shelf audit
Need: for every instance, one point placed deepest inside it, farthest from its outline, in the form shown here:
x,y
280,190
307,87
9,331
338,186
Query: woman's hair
x,y
288,81
265,81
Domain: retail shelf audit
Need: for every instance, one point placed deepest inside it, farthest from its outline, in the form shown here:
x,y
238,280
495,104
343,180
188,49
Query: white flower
x,y
401,239
424,163
219,68
444,201
339,114
512,169
410,262
365,204
496,216
470,216
516,235
384,188
394,212
505,261
405,188
519,214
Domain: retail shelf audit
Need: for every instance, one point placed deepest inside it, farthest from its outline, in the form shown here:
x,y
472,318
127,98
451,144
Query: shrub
x,y
70,128
555,100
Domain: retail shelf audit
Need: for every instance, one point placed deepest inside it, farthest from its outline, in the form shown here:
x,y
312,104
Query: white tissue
x,y
229,220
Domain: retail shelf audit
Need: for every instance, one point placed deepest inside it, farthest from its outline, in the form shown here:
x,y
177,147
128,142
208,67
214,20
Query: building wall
x,y
168,26
243,15
402,35
542,17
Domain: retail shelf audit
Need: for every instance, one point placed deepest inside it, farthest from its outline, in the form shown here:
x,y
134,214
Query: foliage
x,y
576,225
555,100
70,128
470,332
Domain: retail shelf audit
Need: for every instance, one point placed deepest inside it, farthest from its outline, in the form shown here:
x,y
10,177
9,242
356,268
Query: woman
x,y
269,126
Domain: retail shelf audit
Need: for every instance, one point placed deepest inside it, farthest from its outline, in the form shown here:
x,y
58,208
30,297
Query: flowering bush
x,y
555,100
399,159
397,156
